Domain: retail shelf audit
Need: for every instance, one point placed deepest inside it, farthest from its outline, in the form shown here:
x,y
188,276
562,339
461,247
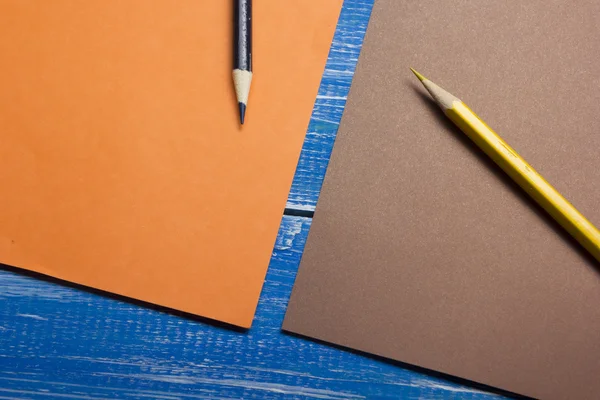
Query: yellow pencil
x,y
516,167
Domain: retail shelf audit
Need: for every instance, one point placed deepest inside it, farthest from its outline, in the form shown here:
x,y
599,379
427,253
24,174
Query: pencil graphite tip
x,y
418,75
242,112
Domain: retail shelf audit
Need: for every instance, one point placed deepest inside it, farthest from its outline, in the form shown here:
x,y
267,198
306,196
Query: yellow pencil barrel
x,y
526,177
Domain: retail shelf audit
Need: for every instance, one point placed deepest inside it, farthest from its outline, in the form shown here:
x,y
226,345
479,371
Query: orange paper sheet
x,y
122,164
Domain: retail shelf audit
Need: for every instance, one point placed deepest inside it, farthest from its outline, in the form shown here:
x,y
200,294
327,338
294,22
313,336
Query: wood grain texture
x,y
58,342
329,105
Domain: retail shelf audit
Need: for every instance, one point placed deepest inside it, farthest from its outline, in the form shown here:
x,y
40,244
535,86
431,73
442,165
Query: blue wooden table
x,y
58,342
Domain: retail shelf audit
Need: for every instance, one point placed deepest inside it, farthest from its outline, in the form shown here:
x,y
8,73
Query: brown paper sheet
x,y
122,163
423,251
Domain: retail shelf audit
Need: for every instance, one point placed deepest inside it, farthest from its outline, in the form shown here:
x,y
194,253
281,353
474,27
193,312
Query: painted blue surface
x,y
57,342
330,103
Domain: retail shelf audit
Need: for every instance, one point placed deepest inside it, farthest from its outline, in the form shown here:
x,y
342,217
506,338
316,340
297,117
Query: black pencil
x,y
242,53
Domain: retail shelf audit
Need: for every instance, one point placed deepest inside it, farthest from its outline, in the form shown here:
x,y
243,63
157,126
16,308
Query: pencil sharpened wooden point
x,y
418,75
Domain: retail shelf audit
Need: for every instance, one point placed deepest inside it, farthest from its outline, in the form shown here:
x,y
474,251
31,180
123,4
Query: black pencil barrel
x,y
242,38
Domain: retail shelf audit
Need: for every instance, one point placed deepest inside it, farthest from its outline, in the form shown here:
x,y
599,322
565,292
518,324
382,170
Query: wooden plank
x,y
330,104
59,342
